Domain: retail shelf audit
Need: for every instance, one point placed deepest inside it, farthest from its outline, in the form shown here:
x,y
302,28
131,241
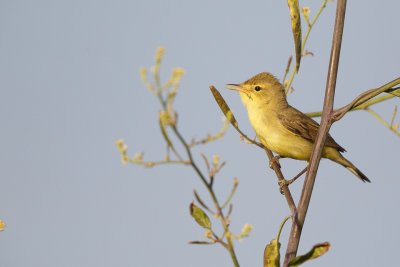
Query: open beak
x,y
237,87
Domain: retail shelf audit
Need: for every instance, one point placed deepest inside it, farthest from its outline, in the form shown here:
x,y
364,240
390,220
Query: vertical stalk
x,y
326,122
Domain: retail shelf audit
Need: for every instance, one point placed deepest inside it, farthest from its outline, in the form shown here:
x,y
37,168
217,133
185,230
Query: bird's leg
x,y
275,160
282,183
297,176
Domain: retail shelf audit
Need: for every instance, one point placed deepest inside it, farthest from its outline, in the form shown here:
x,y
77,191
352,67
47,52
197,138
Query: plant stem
x,y
362,106
211,191
305,197
167,108
364,97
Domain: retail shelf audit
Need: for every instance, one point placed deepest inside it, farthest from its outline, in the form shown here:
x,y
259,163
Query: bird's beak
x,y
239,88
236,87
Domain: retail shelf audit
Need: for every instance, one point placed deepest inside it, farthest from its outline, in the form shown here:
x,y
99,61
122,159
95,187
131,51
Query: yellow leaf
x,y
271,254
296,29
224,107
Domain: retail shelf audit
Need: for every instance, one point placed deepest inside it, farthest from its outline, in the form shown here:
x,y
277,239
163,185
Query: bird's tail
x,y
350,166
334,155
359,174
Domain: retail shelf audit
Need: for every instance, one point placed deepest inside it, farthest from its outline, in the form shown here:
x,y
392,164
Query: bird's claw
x,y
283,183
275,160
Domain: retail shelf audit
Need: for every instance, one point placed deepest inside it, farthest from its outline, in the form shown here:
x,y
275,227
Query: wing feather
x,y
305,127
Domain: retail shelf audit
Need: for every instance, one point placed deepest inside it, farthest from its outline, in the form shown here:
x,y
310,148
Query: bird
x,y
282,128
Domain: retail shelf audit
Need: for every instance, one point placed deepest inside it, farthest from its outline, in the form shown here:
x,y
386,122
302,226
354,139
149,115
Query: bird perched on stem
x,y
282,128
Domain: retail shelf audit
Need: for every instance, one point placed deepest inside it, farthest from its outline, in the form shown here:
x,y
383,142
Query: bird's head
x,y
261,89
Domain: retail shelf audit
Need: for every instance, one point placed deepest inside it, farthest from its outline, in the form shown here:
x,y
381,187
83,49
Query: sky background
x,y
70,87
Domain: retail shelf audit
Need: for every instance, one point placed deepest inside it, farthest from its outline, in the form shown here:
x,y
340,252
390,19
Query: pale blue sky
x,y
70,87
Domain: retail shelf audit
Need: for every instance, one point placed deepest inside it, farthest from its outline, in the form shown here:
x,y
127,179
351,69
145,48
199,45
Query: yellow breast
x,y
277,138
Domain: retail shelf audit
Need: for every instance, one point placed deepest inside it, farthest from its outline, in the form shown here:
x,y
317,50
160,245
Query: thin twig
x,y
211,138
168,109
390,127
287,68
235,184
211,192
149,164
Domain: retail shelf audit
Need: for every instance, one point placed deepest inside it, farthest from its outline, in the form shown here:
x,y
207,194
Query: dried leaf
x,y
224,107
306,13
308,53
271,254
296,29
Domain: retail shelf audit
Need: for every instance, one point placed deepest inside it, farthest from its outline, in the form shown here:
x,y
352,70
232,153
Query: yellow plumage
x,y
282,128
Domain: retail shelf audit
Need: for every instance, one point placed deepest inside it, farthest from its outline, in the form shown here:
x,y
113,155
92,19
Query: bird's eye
x,y
257,88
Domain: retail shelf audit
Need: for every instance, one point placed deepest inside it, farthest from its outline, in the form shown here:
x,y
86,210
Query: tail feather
x,y
358,173
337,157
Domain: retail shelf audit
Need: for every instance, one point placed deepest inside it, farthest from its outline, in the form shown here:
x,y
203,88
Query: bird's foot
x,y
284,182
275,160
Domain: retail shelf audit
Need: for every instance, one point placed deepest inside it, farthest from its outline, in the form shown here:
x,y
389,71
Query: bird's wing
x,y
305,127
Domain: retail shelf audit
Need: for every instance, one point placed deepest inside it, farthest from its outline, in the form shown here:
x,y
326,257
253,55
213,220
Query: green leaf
x,y
200,216
271,254
315,252
296,29
224,107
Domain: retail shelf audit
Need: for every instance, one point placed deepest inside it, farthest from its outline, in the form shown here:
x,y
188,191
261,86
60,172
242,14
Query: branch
x,y
379,118
364,97
305,197
210,138
168,118
367,103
